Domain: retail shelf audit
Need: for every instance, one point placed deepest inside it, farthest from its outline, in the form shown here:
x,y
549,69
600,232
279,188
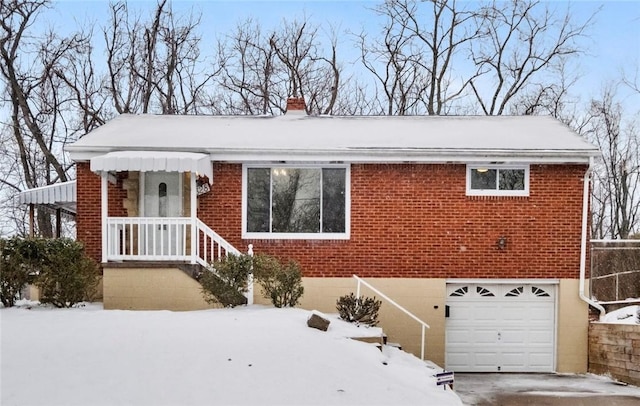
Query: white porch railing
x,y
148,238
210,246
167,239
163,239
424,325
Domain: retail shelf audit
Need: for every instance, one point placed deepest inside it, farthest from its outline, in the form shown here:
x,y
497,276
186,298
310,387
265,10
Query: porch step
x,y
375,339
379,341
193,270
394,345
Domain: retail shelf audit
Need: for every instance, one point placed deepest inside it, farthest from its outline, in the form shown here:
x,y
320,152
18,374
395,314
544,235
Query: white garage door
x,y
500,328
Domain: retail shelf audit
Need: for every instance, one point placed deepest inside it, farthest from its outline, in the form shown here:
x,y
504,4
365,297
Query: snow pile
x,y
243,356
626,315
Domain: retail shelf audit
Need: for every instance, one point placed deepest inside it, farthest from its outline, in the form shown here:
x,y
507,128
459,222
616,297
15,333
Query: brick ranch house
x,y
477,225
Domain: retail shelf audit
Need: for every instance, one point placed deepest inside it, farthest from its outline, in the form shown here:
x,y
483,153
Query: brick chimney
x,y
296,105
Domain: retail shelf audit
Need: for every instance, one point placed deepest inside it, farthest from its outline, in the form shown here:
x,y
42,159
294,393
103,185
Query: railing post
x,y
104,213
422,346
393,303
250,277
194,215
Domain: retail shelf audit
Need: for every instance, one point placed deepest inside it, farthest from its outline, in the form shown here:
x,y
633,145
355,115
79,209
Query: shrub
x,y
58,267
15,269
359,310
67,275
226,281
281,284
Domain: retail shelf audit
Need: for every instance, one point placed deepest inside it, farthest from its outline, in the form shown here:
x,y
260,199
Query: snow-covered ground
x,y
244,356
626,315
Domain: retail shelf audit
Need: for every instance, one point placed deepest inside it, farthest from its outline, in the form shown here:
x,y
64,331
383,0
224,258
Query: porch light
x,y
482,170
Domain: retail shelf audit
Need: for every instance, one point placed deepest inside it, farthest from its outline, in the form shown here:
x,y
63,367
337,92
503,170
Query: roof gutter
x,y
583,243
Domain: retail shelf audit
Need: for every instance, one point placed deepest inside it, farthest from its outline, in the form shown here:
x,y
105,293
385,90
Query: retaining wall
x,y
614,350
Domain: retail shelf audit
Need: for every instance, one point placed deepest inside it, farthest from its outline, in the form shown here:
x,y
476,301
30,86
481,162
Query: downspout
x,y
583,244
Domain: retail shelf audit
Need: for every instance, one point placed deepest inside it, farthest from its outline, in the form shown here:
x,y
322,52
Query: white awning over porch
x,y
152,161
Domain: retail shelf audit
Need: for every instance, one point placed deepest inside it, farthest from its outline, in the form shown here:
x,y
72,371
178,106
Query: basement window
x,y
295,202
497,180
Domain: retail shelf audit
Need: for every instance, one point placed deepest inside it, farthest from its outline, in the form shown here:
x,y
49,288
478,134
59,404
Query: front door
x,y
162,199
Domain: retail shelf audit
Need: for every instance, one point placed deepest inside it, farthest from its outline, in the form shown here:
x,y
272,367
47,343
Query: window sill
x,y
295,236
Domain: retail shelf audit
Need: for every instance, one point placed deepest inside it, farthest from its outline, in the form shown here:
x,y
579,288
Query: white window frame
x,y
298,236
497,192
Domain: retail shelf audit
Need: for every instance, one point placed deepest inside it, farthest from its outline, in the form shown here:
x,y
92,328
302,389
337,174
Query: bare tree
x,y
260,71
413,61
527,42
251,82
35,69
310,74
616,192
155,66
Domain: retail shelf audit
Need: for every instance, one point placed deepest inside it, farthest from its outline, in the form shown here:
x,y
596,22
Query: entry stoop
x,y
151,286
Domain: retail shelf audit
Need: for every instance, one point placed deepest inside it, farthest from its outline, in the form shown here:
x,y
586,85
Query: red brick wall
x,y
406,221
416,221
88,219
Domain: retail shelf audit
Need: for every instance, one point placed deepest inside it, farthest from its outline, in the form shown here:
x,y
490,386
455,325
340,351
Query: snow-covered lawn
x,y
244,356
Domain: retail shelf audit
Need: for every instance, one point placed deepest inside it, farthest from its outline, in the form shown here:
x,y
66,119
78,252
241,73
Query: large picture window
x,y
295,202
497,180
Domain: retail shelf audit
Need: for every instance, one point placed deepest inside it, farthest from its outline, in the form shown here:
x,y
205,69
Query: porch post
x,y
104,212
194,216
58,222
31,220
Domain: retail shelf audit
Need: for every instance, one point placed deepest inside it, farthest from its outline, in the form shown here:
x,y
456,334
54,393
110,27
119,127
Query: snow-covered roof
x,y
57,196
344,138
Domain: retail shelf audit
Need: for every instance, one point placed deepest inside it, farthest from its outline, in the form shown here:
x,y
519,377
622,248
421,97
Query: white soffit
x,y
154,161
59,195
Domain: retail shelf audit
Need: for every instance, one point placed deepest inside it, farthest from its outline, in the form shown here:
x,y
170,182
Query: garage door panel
x,y
539,360
459,335
513,359
485,312
512,331
510,337
485,359
485,336
511,312
457,360
461,312
541,336
540,312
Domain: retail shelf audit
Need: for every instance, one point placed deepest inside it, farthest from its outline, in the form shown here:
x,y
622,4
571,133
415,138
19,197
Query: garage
x,y
507,327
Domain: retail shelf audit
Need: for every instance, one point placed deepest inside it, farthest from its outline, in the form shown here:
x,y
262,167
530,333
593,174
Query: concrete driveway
x,y
543,390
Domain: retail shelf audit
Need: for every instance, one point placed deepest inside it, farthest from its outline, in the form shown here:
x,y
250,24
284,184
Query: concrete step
x,y
394,345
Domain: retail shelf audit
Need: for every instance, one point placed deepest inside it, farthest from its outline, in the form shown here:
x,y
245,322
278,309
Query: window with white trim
x,y
498,180
295,202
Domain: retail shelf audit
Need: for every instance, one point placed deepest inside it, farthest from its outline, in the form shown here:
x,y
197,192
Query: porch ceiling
x,y
151,161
